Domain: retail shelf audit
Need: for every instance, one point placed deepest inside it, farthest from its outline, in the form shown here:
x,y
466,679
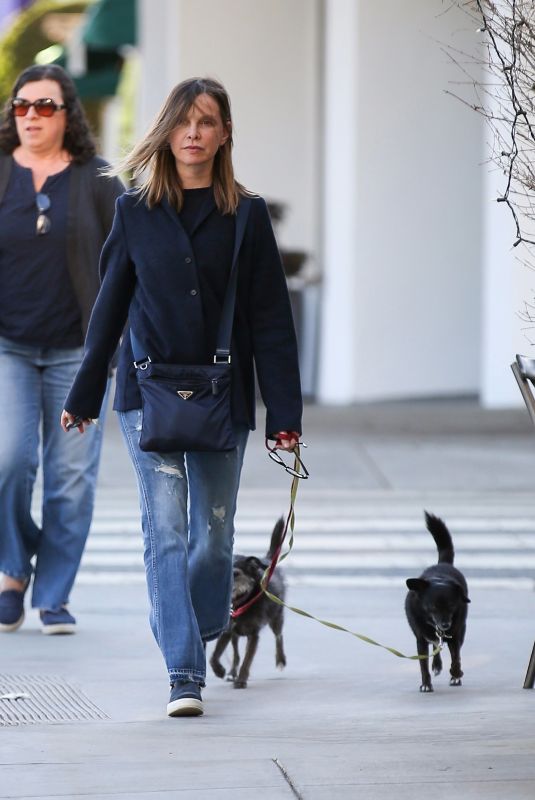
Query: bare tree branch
x,y
503,91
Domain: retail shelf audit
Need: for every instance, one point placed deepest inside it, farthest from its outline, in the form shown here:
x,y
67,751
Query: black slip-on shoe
x,y
11,610
56,622
185,700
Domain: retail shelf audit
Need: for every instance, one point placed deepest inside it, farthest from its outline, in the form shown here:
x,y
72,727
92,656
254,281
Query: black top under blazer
x,y
150,280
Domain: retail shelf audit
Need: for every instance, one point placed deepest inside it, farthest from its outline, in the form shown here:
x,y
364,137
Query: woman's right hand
x,y
286,440
67,419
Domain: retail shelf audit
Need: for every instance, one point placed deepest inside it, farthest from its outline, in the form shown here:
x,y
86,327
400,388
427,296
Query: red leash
x,y
299,471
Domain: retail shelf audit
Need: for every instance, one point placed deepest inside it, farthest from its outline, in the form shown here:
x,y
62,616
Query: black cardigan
x,y
149,277
89,219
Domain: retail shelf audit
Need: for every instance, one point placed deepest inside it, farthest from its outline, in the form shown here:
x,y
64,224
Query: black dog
x,y
248,571
436,607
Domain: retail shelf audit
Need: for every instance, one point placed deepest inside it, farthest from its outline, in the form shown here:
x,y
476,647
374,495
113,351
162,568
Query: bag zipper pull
x,y
215,387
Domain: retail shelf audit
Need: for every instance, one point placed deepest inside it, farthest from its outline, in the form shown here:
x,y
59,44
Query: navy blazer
x,y
149,278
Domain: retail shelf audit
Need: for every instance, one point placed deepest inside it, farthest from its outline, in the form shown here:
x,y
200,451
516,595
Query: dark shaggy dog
x,y
436,607
248,571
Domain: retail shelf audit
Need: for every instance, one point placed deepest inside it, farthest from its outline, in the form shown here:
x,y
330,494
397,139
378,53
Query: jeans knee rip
x,y
219,514
169,469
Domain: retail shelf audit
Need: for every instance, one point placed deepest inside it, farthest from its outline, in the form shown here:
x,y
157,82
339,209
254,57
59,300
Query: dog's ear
x,y
460,587
417,584
256,563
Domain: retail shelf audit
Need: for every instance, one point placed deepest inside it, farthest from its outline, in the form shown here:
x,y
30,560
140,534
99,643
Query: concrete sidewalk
x,y
344,719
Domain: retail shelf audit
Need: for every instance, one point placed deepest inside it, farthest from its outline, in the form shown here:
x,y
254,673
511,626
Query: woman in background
x,y
55,214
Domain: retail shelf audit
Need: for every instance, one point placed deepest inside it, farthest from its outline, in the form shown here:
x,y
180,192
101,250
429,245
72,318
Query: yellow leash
x,y
269,570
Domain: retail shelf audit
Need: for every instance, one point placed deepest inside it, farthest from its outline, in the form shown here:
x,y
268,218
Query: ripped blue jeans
x,y
188,503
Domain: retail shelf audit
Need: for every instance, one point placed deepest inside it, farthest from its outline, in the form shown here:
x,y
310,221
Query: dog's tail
x,y
276,537
440,533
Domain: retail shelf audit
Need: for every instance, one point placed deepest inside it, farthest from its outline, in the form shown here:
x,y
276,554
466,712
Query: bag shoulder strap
x,y
224,334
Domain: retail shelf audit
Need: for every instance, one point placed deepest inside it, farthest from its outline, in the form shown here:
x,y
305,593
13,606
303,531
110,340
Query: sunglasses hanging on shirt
x,y
43,225
45,106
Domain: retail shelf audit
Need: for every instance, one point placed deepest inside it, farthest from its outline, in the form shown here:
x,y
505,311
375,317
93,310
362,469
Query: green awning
x,y
110,24
102,75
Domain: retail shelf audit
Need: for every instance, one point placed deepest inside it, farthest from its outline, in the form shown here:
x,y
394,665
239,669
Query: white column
x,y
339,318
159,46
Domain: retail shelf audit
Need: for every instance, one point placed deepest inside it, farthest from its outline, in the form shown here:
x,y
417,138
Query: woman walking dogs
x,y
55,213
166,266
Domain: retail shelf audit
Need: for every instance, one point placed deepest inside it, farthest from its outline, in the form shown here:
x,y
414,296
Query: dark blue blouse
x,y
212,239
37,301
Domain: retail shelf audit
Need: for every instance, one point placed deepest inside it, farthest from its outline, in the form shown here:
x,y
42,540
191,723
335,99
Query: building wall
x,y
417,175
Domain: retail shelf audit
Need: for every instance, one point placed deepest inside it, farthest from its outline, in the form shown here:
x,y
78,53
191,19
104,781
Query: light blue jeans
x,y
34,382
188,503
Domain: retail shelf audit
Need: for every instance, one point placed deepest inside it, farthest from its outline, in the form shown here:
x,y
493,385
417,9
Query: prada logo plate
x,y
183,394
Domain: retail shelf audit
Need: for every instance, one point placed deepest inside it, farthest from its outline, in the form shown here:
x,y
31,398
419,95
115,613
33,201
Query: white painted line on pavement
x,y
87,578
383,581
256,543
364,560
341,524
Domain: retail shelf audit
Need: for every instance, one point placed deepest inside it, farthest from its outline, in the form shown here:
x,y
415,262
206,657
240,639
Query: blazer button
x,y
187,260
193,292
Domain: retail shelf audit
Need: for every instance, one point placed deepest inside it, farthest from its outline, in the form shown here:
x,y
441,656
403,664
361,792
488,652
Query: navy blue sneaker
x,y
60,621
185,700
11,610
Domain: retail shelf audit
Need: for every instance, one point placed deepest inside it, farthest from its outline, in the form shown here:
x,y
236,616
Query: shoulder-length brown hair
x,y
78,139
153,163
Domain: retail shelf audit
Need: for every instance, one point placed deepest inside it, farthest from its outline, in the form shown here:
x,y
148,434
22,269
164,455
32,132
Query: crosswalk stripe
x,y
340,524
90,578
269,508
387,581
345,542
346,561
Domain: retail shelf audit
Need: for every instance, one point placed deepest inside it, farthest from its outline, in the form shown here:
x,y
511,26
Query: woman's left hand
x,y
67,419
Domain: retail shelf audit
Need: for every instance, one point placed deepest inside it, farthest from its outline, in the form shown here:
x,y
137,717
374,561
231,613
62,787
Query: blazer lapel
x,y
242,216
172,214
208,205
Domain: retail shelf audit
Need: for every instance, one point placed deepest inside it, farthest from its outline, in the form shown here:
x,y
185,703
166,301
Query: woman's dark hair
x,y
78,139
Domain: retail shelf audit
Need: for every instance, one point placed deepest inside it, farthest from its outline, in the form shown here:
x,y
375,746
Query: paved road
x,y
344,720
